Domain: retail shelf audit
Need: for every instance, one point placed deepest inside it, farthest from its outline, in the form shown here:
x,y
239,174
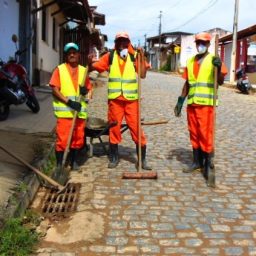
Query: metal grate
x,y
62,204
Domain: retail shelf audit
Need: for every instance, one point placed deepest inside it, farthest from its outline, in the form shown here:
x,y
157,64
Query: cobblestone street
x,y
177,214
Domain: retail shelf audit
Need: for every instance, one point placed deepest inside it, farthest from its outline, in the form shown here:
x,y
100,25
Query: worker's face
x,y
202,46
73,56
122,43
122,47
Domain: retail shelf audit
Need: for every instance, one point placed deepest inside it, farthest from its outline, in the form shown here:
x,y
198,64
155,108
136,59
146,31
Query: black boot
x,y
73,159
143,158
59,158
113,156
197,161
57,173
209,169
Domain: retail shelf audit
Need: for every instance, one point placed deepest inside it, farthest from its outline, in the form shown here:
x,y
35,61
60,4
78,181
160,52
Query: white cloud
x,y
142,17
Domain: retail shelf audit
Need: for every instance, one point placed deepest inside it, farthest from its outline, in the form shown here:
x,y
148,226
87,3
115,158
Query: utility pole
x,y
234,44
145,44
159,40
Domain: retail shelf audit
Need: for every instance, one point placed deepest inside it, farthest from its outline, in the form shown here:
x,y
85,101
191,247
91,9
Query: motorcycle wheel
x,y
33,104
4,111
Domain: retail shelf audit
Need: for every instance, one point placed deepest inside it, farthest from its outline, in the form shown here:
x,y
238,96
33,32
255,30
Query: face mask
x,y
123,53
201,49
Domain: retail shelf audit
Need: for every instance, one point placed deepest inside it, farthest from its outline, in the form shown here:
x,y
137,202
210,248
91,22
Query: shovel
x,y
39,173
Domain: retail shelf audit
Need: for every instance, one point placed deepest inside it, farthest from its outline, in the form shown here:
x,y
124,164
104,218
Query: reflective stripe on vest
x,y
201,89
126,83
68,90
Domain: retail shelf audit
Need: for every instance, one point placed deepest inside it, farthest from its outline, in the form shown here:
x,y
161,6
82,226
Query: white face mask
x,y
201,49
123,53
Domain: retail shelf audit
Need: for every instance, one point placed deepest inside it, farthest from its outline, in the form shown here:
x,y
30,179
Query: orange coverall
x,y
63,125
200,118
120,107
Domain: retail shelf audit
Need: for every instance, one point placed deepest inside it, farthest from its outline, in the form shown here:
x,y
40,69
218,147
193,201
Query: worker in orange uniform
x,y
68,81
121,63
199,88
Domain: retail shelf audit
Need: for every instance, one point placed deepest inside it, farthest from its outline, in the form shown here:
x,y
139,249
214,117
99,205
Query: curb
x,y
20,201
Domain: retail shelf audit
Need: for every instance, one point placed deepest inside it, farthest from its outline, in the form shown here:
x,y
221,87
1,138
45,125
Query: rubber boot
x,y
209,170
73,159
59,158
58,170
113,156
143,158
198,160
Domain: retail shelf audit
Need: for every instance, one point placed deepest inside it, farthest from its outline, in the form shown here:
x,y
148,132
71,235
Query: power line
x,y
205,9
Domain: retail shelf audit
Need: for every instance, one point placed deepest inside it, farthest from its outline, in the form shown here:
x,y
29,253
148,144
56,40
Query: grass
x,y
16,239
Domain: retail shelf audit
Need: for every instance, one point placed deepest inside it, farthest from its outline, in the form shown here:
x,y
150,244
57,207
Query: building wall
x,y
9,25
47,58
227,58
188,48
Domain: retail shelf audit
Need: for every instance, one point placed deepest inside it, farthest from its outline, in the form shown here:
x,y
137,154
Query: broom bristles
x,y
139,175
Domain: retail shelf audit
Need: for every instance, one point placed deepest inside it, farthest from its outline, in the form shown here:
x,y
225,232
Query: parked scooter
x,y
15,87
243,84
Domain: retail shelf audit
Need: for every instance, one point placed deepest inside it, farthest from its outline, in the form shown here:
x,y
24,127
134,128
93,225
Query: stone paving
x,y
177,214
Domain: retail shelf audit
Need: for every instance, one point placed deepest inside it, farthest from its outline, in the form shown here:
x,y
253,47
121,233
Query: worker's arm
x,y
100,65
181,99
55,84
184,94
222,69
56,93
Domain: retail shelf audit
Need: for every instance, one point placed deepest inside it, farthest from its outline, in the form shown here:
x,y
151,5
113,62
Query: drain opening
x,y
55,204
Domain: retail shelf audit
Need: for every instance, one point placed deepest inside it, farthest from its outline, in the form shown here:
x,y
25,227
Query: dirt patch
x,y
66,231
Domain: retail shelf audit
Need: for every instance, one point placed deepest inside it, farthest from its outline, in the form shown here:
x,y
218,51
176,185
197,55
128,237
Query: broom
x,y
139,174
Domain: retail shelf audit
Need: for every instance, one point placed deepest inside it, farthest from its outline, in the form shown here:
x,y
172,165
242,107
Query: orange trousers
x,y
62,132
119,109
200,126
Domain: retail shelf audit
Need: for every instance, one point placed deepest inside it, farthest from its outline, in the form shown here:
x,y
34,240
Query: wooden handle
x,y
139,113
45,177
215,90
154,122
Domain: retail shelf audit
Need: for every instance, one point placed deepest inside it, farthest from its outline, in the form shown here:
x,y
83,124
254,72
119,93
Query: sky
x,y
140,18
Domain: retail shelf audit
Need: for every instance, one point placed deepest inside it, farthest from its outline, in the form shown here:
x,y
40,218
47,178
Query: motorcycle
x,y
15,87
243,84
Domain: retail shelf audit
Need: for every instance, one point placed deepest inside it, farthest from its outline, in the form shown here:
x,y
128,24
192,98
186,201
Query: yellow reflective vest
x,y
122,84
201,89
61,110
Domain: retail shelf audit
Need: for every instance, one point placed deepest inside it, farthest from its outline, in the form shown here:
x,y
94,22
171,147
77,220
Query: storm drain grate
x,y
62,204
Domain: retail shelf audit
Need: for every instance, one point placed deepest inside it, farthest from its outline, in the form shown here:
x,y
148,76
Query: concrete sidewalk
x,y
25,134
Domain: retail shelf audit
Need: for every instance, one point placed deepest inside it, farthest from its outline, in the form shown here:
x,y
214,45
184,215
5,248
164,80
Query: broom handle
x,y
215,91
139,113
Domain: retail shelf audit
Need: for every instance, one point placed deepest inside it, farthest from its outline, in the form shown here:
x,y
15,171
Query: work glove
x,y
83,90
178,107
216,61
74,105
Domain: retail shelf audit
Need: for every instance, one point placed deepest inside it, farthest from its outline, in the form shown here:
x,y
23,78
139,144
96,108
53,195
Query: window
x,y
44,25
54,30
